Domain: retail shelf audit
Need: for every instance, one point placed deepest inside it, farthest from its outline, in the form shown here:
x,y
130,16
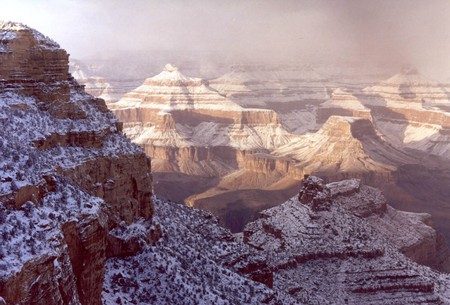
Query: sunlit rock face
x,y
198,128
181,120
36,66
240,142
67,176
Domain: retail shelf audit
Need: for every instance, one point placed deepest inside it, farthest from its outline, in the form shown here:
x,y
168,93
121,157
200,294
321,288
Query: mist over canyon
x,y
239,152
242,141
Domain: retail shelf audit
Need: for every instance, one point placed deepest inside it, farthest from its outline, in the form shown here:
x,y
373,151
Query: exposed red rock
x,y
78,179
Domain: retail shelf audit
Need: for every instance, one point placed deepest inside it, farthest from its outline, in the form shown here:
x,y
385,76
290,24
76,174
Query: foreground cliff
x,y
68,177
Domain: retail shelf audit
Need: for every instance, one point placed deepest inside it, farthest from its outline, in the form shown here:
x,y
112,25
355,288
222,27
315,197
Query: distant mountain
x,y
79,223
235,159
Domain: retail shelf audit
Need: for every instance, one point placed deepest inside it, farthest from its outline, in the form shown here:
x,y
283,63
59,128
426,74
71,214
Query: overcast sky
x,y
402,31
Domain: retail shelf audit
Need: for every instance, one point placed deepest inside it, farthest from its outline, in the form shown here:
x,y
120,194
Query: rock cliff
x,y
322,121
412,111
330,246
68,177
336,243
187,127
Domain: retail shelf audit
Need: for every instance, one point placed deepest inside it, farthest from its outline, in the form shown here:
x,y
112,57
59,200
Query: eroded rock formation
x,y
343,253
68,177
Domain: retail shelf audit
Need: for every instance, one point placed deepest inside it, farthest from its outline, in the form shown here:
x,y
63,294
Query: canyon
x,y
80,222
241,142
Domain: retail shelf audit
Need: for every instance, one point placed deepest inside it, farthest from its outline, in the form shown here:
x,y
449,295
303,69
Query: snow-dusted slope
x,y
410,86
412,112
330,246
171,90
322,253
195,262
62,183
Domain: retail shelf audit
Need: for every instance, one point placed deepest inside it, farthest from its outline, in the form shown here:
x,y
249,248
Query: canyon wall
x,y
68,177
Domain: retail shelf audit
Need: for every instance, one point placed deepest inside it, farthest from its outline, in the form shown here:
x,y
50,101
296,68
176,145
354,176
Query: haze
x,y
377,32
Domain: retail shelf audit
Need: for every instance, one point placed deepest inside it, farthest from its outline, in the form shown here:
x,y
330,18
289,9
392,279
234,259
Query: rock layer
x,y
318,244
68,177
34,65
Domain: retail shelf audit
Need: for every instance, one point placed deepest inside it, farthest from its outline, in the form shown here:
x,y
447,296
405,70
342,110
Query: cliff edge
x,y
67,177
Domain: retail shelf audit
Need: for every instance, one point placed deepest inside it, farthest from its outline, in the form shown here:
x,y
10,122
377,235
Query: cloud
x,y
378,31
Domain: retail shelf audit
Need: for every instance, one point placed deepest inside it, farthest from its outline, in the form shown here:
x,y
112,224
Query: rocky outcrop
x,y
188,127
411,233
314,194
34,65
57,284
124,182
86,244
411,111
185,100
317,243
343,103
85,139
68,177
344,147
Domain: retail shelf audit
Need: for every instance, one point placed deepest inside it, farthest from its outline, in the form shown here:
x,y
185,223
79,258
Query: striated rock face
x,y
334,256
123,182
412,111
344,147
411,233
336,124
68,177
36,66
177,110
60,287
343,103
188,127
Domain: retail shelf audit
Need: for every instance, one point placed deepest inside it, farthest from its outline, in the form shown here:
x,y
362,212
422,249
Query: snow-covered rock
x,y
67,176
333,256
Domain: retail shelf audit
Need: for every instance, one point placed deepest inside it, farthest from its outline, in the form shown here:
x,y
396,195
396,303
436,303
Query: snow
x,y
25,125
194,261
5,37
35,231
171,73
327,257
16,27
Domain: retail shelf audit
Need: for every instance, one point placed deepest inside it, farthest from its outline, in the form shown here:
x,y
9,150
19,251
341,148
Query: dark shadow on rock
x,y
406,92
